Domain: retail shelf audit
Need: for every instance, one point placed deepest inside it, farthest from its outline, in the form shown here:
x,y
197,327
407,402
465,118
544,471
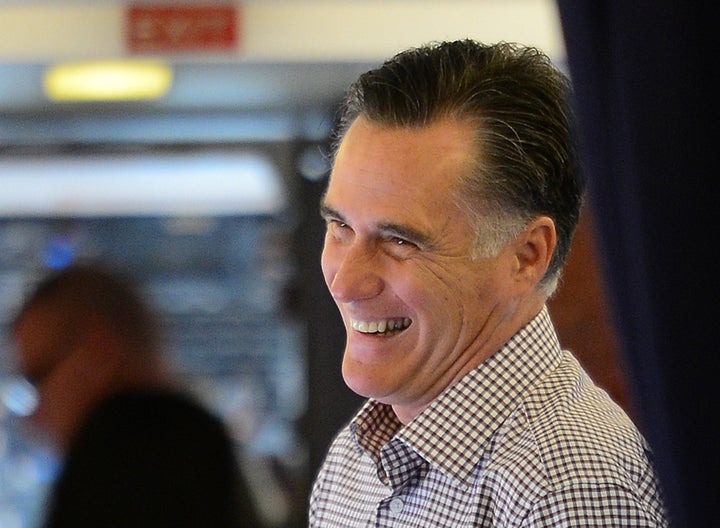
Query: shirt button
x,y
396,506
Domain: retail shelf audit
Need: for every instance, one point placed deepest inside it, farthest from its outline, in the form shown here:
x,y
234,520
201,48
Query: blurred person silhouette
x,y
136,450
450,208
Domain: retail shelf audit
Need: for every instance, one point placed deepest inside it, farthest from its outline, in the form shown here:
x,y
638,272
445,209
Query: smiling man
x,y
450,210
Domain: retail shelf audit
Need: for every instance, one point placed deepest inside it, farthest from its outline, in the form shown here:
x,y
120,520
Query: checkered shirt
x,y
524,440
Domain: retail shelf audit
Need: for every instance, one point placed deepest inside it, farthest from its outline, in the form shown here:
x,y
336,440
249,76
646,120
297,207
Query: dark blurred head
x,y
59,312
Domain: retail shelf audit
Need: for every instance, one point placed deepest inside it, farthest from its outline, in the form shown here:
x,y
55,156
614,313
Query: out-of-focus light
x,y
108,80
19,396
59,252
212,183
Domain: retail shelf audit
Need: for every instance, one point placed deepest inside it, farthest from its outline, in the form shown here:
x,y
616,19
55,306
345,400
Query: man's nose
x,y
357,273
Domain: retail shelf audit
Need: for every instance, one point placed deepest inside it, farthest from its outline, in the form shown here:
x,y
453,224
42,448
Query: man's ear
x,y
534,248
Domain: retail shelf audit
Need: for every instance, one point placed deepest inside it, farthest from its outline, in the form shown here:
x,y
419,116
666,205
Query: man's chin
x,y
362,379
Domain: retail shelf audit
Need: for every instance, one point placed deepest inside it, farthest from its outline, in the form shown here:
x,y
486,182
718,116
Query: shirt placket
x,y
400,466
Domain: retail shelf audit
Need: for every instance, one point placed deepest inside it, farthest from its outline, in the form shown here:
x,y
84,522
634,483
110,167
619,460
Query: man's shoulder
x,y
579,429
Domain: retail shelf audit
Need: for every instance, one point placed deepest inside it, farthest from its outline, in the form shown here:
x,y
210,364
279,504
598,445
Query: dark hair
x,y
518,103
81,291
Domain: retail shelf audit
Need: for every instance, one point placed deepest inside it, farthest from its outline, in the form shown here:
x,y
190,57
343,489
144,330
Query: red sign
x,y
181,28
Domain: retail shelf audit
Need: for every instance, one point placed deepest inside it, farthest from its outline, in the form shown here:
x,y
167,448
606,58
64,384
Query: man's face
x,y
41,342
419,313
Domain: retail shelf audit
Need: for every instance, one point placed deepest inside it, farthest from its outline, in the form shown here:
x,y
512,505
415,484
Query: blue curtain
x,y
645,77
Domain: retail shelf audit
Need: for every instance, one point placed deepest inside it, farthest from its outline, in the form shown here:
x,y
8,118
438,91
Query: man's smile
x,y
381,326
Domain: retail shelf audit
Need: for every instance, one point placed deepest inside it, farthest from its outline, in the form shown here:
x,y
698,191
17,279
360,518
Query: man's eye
x,y
400,244
336,224
398,240
339,230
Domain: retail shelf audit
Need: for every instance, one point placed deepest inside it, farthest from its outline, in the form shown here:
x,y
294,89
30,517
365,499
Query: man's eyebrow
x,y
386,228
406,233
328,212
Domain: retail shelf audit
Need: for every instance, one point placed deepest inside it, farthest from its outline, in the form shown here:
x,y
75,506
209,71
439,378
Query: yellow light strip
x,y
107,80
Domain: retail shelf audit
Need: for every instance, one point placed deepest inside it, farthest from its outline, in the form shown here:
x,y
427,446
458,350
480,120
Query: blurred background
x,y
206,188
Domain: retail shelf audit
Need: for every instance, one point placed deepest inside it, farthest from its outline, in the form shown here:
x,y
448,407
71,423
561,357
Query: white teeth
x,y
381,326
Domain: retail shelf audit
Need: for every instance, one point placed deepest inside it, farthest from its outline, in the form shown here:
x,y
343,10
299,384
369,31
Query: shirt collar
x,y
453,431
